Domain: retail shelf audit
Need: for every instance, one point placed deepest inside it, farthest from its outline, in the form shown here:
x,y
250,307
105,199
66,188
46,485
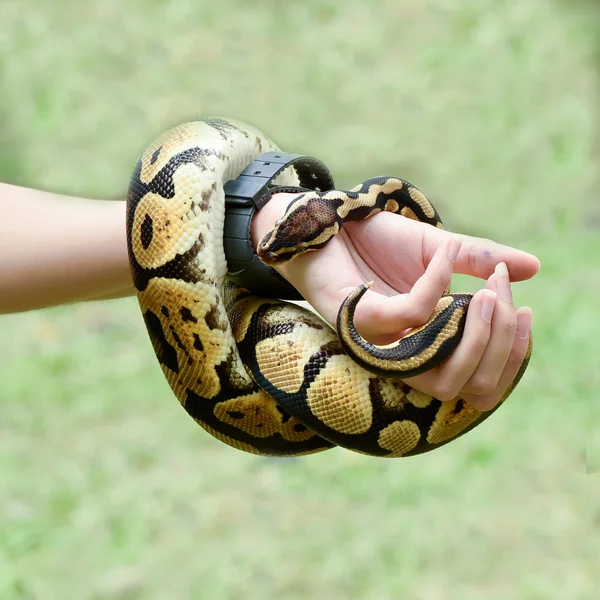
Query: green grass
x,y
107,488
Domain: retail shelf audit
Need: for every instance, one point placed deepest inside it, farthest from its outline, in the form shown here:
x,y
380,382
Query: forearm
x,y
56,250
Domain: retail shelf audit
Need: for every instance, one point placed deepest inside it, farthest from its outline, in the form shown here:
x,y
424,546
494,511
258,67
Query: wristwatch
x,y
248,194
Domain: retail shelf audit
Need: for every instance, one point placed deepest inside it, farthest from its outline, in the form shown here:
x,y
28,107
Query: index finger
x,y
479,256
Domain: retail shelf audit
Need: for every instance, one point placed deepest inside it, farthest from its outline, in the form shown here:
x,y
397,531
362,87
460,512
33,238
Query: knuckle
x,y
483,403
376,312
516,357
509,327
419,313
481,386
443,279
445,391
473,259
477,344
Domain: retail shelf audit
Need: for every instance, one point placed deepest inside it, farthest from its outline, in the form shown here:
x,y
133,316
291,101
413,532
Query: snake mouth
x,y
273,253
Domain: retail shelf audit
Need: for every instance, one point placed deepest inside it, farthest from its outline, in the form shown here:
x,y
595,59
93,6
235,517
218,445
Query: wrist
x,y
253,206
264,220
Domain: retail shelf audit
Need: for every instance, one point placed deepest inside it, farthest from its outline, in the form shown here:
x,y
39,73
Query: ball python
x,y
263,375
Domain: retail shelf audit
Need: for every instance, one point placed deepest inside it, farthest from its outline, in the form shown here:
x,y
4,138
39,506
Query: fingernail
x,y
453,248
487,306
524,320
536,259
503,283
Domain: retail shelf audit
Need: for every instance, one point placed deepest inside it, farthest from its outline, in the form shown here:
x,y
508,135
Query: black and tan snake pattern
x,y
262,375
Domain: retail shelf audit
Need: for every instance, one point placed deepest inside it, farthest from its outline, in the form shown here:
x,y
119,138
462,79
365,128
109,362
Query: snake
x,y
264,375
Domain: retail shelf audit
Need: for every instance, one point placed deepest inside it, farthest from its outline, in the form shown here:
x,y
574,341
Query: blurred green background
x,y
107,488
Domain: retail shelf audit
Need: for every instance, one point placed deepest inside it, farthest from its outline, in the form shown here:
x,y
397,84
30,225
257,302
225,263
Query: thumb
x,y
383,319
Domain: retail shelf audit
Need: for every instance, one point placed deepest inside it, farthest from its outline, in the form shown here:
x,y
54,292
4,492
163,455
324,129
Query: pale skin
x,y
56,249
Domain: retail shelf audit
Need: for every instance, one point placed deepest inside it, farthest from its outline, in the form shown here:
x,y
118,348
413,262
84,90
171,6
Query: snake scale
x,y
263,375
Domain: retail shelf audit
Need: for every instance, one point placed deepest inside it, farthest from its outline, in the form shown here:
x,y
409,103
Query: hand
x,y
411,265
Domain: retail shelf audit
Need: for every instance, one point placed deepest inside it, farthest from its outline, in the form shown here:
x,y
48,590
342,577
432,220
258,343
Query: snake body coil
x,y
263,375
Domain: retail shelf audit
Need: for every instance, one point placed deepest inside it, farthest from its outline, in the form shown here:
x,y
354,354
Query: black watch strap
x,y
249,193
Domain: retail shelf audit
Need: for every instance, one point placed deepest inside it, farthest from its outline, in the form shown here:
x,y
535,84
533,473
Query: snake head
x,y
309,223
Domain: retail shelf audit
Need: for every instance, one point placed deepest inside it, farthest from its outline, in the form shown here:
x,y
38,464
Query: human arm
x,y
56,249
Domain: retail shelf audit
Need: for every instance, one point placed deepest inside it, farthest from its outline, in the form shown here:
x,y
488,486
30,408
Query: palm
x,y
357,254
389,250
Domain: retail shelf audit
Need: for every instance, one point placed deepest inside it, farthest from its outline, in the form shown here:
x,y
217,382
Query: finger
x,y
382,319
447,381
504,323
513,364
478,256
